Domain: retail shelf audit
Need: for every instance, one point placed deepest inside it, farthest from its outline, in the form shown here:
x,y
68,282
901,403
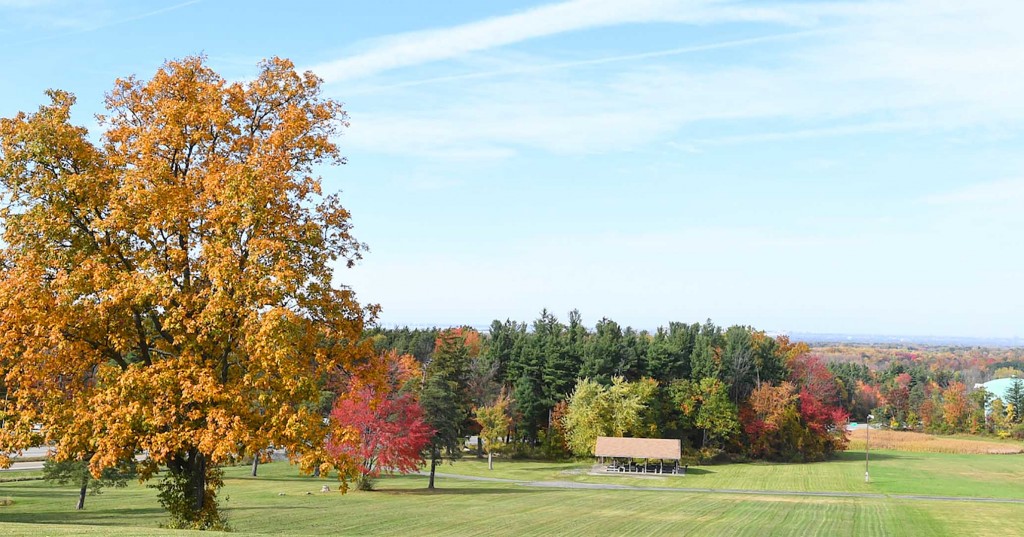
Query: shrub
x,y
175,496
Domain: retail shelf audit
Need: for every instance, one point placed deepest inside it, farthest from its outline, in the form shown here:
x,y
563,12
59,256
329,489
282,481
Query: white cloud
x,y
804,134
878,67
23,4
73,18
416,48
519,69
1002,192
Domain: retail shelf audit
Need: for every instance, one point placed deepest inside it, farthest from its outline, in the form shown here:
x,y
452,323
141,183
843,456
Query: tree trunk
x,y
82,491
198,480
479,447
433,466
490,462
255,464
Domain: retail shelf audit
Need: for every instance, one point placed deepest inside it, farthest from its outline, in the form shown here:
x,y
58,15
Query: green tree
x,y
576,338
1015,399
627,404
494,423
979,402
560,365
586,417
531,403
998,419
707,404
445,398
76,472
501,347
670,350
635,349
603,356
738,362
769,360
596,410
706,360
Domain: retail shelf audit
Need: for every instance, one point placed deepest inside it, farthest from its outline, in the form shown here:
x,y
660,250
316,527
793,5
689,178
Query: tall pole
x,y
867,450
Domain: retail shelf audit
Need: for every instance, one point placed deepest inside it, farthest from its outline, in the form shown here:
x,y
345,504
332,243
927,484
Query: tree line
x,y
728,390
709,386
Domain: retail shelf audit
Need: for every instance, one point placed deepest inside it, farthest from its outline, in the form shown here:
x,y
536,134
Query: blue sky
x,y
807,166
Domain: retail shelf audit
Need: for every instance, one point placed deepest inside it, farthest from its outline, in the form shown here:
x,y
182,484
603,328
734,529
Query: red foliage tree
x,y
826,425
800,420
897,394
810,373
867,398
767,420
820,409
377,421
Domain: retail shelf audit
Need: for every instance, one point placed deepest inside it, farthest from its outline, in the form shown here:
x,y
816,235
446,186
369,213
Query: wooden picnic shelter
x,y
631,449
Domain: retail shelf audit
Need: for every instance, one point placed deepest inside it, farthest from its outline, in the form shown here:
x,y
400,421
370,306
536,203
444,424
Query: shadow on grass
x,y
233,511
693,470
875,456
104,517
294,479
454,491
552,468
846,456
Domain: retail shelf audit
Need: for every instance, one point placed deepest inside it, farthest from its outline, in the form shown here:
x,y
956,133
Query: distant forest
x,y
734,390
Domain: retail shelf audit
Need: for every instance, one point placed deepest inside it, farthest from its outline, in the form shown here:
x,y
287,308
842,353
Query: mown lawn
x,y
277,502
933,474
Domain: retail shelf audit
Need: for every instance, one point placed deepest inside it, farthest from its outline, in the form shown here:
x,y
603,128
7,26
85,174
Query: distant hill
x,y
814,338
880,339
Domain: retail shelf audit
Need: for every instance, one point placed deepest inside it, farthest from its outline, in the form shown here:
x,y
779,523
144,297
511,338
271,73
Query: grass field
x,y
464,507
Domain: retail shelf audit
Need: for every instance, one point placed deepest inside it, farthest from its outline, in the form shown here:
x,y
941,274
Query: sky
x,y
812,166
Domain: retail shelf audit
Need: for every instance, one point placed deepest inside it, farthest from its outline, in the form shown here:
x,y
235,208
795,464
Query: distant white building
x,y
998,387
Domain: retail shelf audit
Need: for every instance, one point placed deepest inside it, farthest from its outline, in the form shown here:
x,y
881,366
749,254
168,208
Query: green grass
x,y
933,474
996,476
462,507
20,475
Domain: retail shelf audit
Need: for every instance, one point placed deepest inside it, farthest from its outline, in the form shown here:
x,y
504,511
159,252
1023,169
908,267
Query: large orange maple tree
x,y
168,290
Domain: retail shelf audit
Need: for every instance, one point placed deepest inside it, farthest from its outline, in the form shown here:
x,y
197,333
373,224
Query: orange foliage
x,y
955,405
470,338
791,350
382,373
770,403
170,290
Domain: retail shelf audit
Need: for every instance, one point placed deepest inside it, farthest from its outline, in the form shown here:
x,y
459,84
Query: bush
x,y
175,494
708,456
553,446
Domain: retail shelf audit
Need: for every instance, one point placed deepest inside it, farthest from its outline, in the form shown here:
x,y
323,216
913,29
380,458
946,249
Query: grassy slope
x,y
402,506
991,476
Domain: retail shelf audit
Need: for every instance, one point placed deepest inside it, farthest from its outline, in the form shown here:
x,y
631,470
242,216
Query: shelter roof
x,y
638,448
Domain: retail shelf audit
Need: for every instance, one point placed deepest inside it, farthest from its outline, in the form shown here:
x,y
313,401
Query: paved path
x,y
15,466
748,492
32,452
42,452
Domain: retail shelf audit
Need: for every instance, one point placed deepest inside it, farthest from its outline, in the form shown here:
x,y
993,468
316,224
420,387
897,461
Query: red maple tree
x,y
377,421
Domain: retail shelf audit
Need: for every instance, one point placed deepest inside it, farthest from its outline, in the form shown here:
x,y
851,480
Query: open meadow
x,y
545,498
